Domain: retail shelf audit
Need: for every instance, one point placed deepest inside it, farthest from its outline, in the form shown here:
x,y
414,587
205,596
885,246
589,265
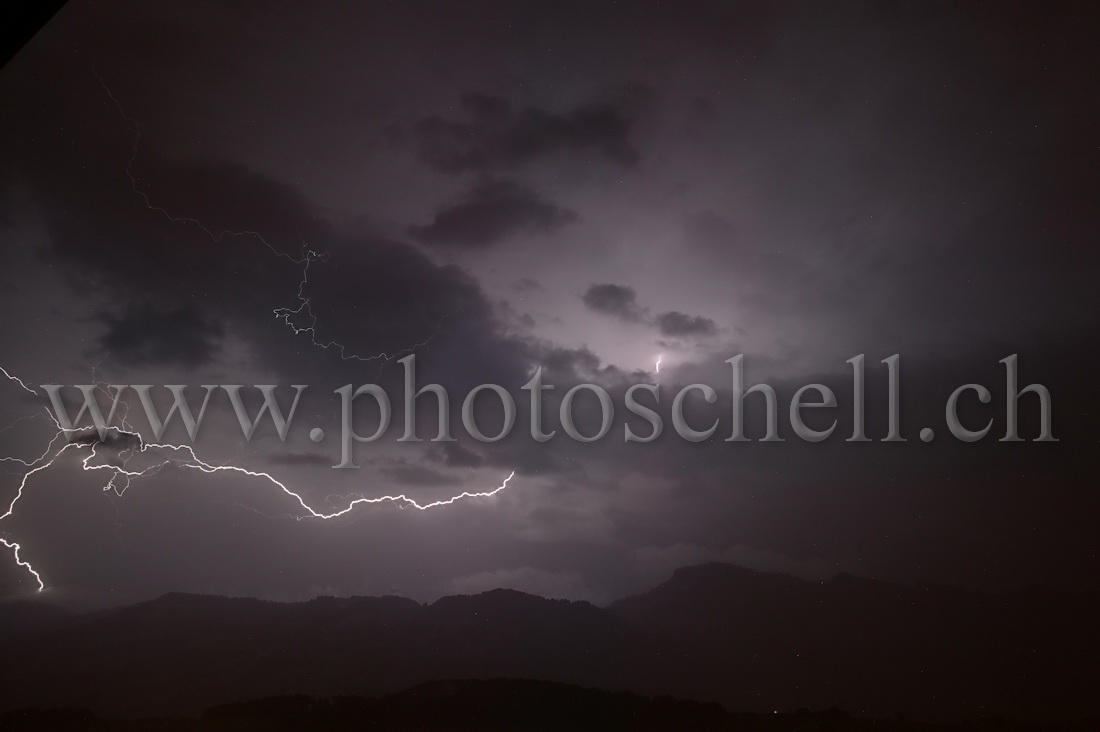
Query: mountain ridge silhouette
x,y
714,633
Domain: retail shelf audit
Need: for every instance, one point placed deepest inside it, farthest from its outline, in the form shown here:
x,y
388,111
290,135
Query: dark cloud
x,y
619,301
675,324
568,364
379,296
875,178
144,337
202,252
499,138
490,213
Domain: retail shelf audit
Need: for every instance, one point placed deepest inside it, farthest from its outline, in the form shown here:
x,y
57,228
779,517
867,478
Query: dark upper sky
x,y
583,186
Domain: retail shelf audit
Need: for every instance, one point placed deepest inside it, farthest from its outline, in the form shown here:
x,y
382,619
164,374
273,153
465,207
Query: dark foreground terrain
x,y
501,704
714,633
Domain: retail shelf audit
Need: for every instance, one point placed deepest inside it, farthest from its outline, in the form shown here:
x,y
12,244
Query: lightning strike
x,y
288,314
19,381
304,261
120,476
25,565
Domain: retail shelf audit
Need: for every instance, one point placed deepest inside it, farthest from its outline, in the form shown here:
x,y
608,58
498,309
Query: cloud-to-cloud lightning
x,y
183,455
305,260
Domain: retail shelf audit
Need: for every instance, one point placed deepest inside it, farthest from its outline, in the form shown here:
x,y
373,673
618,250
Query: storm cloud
x,y
498,137
217,201
489,214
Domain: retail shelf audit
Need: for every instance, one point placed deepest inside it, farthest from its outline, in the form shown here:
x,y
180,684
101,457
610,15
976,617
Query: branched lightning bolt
x,y
121,475
183,455
14,546
305,260
217,237
287,314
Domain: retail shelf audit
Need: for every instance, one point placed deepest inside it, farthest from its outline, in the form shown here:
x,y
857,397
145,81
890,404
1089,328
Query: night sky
x,y
585,187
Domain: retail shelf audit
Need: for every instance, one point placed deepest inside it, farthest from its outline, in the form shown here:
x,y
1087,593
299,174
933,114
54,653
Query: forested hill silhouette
x,y
720,633
497,705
